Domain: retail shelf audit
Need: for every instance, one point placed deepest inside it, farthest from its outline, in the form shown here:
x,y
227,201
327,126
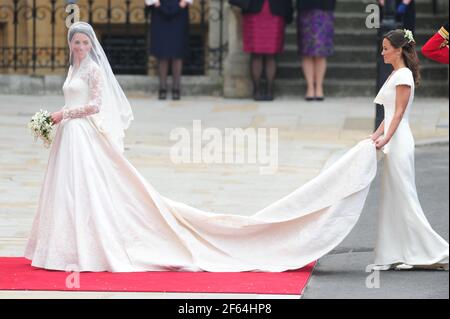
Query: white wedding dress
x,y
97,213
404,233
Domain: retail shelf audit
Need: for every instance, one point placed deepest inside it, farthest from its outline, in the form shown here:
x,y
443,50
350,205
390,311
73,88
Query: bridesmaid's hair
x,y
398,40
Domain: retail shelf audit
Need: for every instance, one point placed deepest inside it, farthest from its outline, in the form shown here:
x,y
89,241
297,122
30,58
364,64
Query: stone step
x,y
342,71
359,6
137,85
342,54
341,37
342,88
346,54
345,20
351,37
287,70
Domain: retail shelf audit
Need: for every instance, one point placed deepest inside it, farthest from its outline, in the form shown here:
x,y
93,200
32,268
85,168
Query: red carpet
x,y
18,274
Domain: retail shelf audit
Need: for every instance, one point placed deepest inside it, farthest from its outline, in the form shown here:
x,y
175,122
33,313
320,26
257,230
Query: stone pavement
x,y
309,134
343,273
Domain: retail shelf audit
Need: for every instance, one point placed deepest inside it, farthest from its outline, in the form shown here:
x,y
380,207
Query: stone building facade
x,y
34,52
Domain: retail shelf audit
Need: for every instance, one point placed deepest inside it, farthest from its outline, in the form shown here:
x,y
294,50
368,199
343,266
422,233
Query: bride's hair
x,y
400,39
76,30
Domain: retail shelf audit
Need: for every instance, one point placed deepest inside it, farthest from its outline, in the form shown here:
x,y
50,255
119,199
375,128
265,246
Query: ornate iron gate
x,y
33,34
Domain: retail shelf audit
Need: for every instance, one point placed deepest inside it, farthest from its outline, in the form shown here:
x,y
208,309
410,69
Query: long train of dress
x,y
97,213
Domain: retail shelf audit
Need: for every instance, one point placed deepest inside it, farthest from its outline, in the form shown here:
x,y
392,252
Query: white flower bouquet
x,y
41,126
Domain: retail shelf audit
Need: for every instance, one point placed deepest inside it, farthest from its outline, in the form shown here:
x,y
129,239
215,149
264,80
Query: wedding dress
x,y
404,233
97,213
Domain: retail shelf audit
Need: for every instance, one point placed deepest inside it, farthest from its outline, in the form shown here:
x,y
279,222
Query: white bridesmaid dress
x,y
404,234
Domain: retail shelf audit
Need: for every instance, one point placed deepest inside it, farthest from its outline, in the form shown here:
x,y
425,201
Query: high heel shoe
x,y
176,95
404,267
269,95
381,267
162,95
437,266
258,95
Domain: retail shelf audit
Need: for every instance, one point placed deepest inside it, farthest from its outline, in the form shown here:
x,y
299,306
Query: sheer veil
x,y
115,113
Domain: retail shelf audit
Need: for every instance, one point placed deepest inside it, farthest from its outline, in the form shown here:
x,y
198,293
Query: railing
x,y
33,35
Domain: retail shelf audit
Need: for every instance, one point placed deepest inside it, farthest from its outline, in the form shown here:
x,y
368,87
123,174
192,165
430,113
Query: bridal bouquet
x,y
41,126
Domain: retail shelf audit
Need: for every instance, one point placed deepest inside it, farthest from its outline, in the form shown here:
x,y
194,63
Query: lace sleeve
x,y
95,97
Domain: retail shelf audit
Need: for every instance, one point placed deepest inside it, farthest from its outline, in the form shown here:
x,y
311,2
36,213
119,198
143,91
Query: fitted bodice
x,y
387,95
83,89
76,92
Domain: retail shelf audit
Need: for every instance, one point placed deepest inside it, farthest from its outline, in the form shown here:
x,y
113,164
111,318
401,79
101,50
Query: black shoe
x,y
176,95
269,93
162,95
258,96
310,98
320,98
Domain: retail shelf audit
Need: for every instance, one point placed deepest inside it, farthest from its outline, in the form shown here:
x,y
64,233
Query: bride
x,y
97,213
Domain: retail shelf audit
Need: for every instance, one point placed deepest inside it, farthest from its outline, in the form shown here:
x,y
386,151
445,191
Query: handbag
x,y
243,4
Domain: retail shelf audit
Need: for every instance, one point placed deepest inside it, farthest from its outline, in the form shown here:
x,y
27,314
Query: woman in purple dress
x,y
315,29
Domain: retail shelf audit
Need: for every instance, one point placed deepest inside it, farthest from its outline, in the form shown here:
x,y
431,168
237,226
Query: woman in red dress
x,y
264,23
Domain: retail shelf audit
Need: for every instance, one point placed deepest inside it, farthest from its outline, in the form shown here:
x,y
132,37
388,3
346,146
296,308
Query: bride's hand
x,y
57,117
380,143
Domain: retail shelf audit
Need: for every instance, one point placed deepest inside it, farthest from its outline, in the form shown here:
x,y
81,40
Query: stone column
x,y
237,81
217,36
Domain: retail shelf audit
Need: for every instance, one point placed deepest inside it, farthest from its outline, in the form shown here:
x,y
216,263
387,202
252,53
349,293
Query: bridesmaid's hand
x,y
374,136
183,4
57,117
380,143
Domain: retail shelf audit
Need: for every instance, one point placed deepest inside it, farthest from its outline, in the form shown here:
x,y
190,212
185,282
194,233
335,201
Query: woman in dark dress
x,y
169,36
405,13
315,29
264,25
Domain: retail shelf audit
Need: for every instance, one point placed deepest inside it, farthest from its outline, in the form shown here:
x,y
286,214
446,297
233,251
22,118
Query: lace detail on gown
x,y
90,73
112,219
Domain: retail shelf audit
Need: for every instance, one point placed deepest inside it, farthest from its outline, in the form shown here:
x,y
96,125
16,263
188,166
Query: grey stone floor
x,y
309,134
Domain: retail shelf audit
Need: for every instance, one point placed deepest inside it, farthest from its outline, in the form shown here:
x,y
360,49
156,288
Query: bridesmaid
x,y
169,35
405,238
315,31
264,24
